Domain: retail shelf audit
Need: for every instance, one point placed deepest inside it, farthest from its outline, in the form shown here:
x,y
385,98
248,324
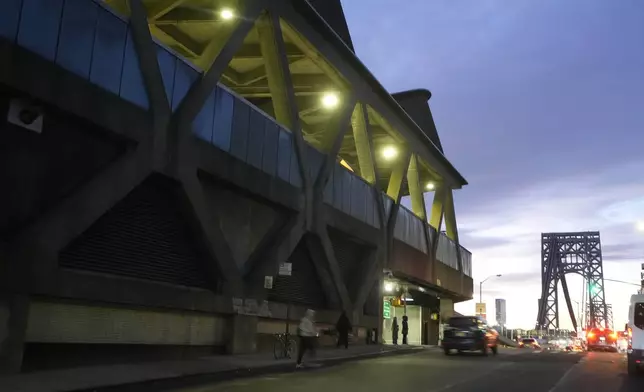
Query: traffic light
x,y
594,289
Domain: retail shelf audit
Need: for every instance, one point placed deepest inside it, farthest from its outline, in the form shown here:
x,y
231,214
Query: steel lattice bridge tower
x,y
565,253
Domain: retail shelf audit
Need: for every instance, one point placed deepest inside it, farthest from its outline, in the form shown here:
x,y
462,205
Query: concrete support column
x,y
243,334
397,175
436,218
280,85
452,230
159,105
415,191
364,148
14,311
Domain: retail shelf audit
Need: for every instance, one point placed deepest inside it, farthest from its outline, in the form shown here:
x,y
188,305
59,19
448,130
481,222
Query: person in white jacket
x,y
307,333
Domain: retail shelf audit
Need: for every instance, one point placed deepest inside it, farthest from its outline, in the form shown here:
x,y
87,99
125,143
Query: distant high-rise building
x,y
500,311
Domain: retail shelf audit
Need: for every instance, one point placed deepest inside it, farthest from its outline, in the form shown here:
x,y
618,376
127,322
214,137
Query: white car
x,y
635,349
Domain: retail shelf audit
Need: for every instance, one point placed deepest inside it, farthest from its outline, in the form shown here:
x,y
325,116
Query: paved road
x,y
430,371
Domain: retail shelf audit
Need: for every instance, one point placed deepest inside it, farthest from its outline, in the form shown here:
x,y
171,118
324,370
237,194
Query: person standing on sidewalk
x,y
307,334
394,330
405,329
343,326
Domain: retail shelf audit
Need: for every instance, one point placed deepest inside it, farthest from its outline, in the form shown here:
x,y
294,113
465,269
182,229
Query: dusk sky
x,y
540,105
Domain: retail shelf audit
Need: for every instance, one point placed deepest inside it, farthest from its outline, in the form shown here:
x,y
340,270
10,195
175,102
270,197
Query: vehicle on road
x,y
635,348
529,343
601,339
469,333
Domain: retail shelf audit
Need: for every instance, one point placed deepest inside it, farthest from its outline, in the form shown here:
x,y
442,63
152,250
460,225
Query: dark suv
x,y
469,334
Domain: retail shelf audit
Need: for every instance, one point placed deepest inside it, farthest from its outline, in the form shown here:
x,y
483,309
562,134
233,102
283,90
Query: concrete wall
x,y
51,322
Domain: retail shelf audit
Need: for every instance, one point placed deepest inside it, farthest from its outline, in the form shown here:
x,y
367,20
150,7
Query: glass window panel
x,y
314,159
368,205
132,85
223,122
167,64
399,231
239,137
255,138
9,17
77,36
269,155
203,122
284,152
328,189
39,23
357,198
109,47
184,77
296,177
346,191
338,175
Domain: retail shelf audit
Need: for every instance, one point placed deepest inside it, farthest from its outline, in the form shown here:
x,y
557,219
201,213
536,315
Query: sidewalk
x,y
153,376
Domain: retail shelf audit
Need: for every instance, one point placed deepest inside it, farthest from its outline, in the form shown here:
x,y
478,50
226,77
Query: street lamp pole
x,y
481,286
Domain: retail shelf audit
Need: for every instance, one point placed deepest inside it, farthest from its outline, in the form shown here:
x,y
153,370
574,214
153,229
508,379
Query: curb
x,y
192,380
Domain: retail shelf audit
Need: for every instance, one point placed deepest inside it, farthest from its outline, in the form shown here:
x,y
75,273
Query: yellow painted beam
x,y
394,188
362,139
162,7
415,191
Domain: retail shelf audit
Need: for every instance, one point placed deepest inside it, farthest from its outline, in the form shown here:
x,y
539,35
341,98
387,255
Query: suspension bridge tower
x,y
572,253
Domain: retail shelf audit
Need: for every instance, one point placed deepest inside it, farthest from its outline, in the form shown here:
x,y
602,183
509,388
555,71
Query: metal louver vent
x,y
303,287
144,236
349,254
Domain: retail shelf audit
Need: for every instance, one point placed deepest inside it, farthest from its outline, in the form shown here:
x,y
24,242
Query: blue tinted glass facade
x,y
255,143
80,36
167,64
269,155
9,17
39,24
76,40
284,152
202,124
132,85
239,137
88,40
223,122
184,77
109,48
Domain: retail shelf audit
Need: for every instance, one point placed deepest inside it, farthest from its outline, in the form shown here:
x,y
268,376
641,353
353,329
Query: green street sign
x,y
386,309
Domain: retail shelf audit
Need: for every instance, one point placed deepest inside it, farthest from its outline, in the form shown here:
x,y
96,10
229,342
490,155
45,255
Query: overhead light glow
x,y
389,287
227,14
330,100
389,152
430,186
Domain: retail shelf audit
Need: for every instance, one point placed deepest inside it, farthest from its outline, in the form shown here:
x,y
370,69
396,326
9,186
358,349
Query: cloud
x,y
538,109
504,234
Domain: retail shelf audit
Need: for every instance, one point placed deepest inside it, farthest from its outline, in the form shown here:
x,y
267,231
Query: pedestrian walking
x,y
405,329
307,334
394,330
343,326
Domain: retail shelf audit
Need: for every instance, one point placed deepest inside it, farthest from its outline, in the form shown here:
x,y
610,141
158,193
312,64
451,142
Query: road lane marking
x,y
463,381
567,374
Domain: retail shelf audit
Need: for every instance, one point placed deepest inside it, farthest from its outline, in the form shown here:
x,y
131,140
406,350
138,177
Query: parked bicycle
x,y
284,346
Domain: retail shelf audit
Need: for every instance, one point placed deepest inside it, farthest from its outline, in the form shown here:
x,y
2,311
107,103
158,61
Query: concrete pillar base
x,y
243,336
14,310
